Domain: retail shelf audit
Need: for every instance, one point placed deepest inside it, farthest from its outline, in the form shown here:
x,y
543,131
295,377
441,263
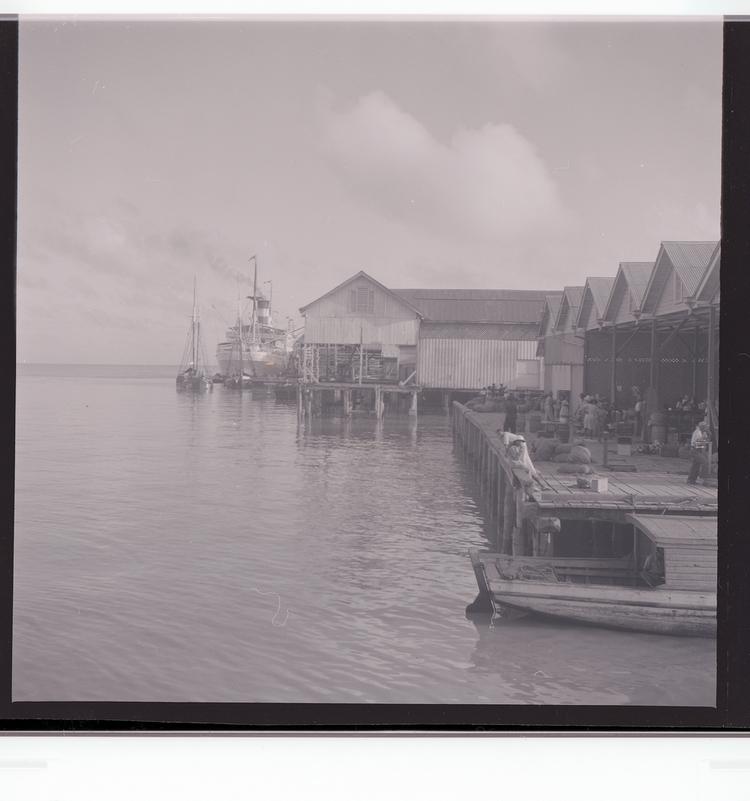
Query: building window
x,y
362,300
679,288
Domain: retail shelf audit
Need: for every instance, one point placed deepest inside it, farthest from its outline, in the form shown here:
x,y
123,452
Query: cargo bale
x,y
572,469
544,450
580,455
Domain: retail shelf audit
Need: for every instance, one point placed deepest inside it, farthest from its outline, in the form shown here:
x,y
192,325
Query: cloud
x,y
487,182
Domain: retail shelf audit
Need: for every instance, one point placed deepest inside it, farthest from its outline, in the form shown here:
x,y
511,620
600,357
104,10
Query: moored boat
x,y
191,376
665,585
258,347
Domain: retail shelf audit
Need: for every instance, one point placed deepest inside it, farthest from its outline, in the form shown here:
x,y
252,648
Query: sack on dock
x,y
580,455
544,450
571,469
562,447
561,458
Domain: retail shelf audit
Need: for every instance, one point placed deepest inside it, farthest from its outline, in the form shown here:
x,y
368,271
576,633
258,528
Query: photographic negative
x,y
444,296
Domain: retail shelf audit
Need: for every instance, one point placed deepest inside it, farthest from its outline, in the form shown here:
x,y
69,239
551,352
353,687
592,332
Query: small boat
x,y
665,585
218,378
233,381
192,376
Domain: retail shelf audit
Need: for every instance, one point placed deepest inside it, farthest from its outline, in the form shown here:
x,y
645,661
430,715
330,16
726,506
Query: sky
x,y
502,154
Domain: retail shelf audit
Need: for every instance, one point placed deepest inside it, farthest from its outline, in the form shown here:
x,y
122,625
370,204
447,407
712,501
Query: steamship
x,y
257,349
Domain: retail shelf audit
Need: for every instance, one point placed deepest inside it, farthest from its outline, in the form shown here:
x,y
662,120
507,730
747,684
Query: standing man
x,y
511,413
639,428
699,451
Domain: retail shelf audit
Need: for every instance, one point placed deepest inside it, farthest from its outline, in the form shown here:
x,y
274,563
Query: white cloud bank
x,y
487,183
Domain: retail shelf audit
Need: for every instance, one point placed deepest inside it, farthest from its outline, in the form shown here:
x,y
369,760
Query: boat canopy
x,y
674,531
689,547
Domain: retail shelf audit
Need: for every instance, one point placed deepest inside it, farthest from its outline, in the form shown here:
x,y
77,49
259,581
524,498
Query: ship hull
x,y
265,365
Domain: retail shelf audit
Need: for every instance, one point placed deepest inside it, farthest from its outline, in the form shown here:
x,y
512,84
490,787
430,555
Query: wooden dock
x,y
523,510
313,397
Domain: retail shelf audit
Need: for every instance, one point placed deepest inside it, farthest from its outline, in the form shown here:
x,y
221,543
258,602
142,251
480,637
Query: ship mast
x,y
194,363
255,298
239,328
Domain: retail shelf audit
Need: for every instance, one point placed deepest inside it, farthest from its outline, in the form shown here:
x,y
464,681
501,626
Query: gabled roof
x,y
708,288
599,289
381,287
635,277
550,309
569,304
476,305
689,260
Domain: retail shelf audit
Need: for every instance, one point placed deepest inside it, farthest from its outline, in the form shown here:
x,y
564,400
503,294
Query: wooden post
x,y
492,486
613,371
519,546
652,361
509,514
695,364
300,409
413,408
347,396
711,376
500,496
377,401
308,403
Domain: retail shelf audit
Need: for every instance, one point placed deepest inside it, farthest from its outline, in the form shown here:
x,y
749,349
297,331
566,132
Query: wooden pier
x,y
524,510
313,398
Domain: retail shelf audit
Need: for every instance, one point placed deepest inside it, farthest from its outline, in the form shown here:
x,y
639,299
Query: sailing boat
x,y
192,375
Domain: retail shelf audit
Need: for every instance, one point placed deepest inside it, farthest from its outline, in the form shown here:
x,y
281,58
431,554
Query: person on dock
x,y
548,408
590,418
564,412
699,443
511,414
639,419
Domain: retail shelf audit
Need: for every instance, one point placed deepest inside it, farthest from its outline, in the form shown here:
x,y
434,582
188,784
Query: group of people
x,y
593,415
555,409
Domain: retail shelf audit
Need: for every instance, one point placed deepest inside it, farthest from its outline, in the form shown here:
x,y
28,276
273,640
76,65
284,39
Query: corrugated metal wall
x,y
469,363
348,330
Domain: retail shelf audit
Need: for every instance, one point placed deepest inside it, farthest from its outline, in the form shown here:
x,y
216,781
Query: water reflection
x,y
206,547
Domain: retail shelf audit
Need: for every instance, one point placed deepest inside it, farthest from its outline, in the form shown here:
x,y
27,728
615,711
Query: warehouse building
x,y
472,338
658,335
458,340
360,331
617,348
562,344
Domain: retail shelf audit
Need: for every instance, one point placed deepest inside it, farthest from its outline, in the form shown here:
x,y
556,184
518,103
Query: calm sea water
x,y
178,548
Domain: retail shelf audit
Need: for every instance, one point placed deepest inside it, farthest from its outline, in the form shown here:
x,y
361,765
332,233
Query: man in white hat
x,y
699,443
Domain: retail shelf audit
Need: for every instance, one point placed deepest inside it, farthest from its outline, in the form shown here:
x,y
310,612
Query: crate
x,y
624,446
600,484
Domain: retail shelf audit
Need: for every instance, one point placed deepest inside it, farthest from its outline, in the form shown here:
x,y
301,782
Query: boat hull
x,y
692,620
656,610
193,384
267,365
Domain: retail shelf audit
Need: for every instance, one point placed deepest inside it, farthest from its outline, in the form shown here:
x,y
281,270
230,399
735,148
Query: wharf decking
x,y
658,485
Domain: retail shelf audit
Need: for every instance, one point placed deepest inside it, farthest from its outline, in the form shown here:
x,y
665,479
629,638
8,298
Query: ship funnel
x,y
264,311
